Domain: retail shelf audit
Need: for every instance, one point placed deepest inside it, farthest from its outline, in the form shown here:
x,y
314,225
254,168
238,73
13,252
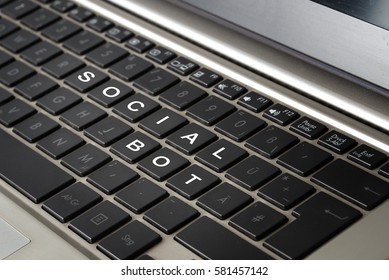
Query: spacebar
x,y
28,172
210,240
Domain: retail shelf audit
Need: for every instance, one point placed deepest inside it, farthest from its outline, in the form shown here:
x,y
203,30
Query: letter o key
x,y
161,161
114,92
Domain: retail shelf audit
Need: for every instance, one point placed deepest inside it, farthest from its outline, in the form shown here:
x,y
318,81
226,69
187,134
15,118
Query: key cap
x,y
35,87
35,127
257,221
99,221
119,34
210,110
4,2
240,125
139,44
82,115
112,177
40,53
20,8
162,164
14,73
62,66
210,240
131,67
155,81
221,155
367,156
62,6
271,142
384,170
337,142
60,143
286,191
162,123
308,128
129,242
280,114
7,27
40,19
141,195
135,147
110,93
83,42
86,79
15,111
252,173
71,202
192,182
61,30
191,138
58,101
354,184
99,24
182,66
106,55
206,77
320,218
5,96
224,201
229,89
85,160
304,158
160,55
28,172
254,102
80,14
182,95
170,215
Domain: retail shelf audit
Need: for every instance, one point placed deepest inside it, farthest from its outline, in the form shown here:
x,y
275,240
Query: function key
x,y
20,8
206,77
308,128
160,55
254,102
182,66
367,156
119,34
80,14
139,44
229,89
62,6
280,114
337,142
384,170
99,24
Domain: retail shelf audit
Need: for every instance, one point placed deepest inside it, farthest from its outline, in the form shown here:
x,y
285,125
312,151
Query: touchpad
x,y
11,240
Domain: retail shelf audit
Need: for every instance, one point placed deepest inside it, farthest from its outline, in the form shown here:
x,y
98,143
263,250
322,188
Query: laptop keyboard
x,y
166,146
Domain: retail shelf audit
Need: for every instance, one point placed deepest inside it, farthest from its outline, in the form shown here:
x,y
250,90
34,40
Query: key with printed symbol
x,y
182,66
254,102
160,55
110,93
337,142
229,89
280,114
119,34
205,77
58,101
367,156
139,44
156,81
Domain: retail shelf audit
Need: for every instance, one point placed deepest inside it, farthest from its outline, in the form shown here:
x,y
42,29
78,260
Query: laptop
x,y
193,129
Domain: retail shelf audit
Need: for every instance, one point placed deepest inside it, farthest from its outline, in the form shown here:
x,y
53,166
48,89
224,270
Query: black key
x,y
83,115
119,34
320,218
63,65
62,6
208,239
86,78
4,2
136,107
19,40
40,53
352,183
224,200
367,156
83,42
240,125
206,77
182,95
15,111
60,143
221,155
134,147
99,221
131,67
110,93
108,131
80,14
141,195
162,123
162,164
271,142
139,44
337,142
99,24
58,101
255,102
35,127
85,160
210,110
18,9
156,81
160,55
112,177
191,138
257,221
286,191
14,73
106,55
182,66
40,19
280,114
129,242
384,170
28,172
35,87
45,1
304,159
192,182
252,173
5,96
229,89
7,27
5,58
170,215
71,202
308,128
61,30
